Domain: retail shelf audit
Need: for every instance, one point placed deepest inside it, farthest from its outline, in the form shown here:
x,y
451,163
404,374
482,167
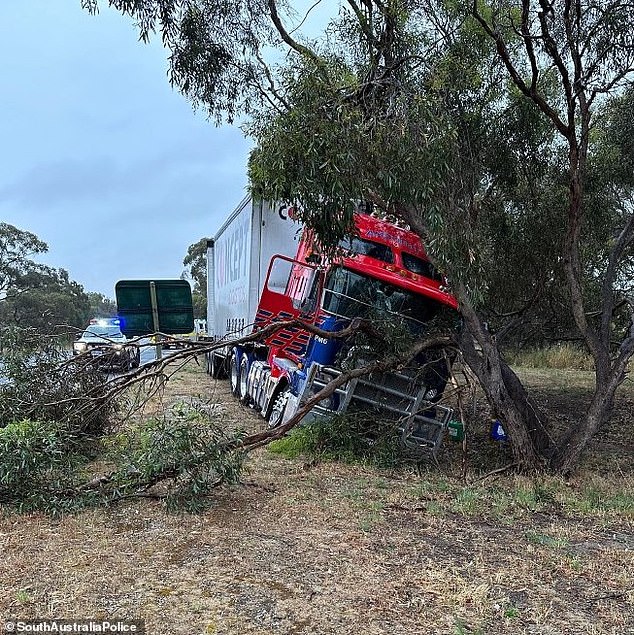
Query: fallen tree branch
x,y
499,470
259,439
254,441
99,397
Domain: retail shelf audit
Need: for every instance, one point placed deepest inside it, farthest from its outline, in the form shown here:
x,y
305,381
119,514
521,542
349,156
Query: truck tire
x,y
234,373
243,392
276,416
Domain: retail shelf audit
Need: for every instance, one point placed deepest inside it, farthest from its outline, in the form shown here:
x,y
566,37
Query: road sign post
x,y
155,321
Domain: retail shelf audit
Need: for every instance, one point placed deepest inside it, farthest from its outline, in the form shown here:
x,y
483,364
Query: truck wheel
x,y
243,389
277,411
234,374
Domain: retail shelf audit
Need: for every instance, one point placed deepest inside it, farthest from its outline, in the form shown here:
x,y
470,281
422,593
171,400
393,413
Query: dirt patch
x,y
304,548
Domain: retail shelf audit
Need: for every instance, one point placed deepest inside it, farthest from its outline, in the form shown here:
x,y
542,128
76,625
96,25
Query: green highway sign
x,y
147,306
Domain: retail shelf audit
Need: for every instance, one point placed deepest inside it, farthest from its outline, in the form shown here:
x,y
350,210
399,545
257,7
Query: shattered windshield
x,y
350,294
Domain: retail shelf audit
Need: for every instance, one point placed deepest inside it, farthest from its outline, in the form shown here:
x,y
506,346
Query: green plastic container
x,y
455,430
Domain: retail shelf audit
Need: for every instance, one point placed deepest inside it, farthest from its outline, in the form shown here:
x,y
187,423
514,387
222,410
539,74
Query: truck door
x,y
290,292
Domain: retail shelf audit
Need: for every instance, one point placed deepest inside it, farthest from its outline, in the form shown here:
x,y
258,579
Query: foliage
x,y
196,261
38,462
52,410
16,247
42,384
186,454
186,447
214,45
350,438
100,305
34,295
610,198
336,145
51,303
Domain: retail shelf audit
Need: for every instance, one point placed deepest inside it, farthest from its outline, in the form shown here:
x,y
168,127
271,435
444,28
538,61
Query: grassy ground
x,y
310,548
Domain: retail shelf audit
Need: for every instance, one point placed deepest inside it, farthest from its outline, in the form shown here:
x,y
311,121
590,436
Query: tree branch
x,y
294,44
262,438
505,56
624,239
253,441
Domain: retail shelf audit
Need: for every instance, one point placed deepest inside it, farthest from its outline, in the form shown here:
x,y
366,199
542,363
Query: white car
x,y
109,344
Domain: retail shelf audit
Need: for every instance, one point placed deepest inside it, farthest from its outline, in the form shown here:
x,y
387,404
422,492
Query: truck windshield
x,y
350,294
420,266
360,246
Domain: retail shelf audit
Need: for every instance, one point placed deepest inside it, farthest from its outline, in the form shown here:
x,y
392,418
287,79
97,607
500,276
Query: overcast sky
x,y
98,155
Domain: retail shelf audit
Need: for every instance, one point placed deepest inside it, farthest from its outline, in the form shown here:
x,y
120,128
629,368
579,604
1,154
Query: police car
x,y
103,341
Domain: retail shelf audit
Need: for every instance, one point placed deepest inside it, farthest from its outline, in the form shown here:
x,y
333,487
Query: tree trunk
x,y
576,438
519,414
512,405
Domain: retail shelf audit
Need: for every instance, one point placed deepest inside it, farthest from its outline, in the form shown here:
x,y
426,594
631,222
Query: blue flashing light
x,y
111,321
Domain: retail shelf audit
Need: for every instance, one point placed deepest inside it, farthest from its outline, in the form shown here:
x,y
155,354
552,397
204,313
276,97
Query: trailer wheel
x,y
276,415
243,390
234,374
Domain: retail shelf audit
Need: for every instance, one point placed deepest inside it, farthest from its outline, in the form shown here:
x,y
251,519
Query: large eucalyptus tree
x,y
492,130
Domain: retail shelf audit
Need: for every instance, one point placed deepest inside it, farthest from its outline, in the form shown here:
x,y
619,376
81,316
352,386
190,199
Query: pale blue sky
x,y
98,155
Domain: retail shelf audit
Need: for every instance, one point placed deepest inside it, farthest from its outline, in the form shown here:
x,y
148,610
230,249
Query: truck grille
x,y
397,397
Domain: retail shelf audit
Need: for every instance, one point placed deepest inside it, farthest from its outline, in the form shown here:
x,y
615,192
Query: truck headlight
x,y
118,347
79,347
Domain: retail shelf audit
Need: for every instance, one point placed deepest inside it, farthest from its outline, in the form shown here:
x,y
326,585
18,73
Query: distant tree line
x,y
33,295
196,272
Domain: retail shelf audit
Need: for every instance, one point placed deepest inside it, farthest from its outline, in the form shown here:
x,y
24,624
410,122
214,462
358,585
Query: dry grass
x,y
562,356
329,548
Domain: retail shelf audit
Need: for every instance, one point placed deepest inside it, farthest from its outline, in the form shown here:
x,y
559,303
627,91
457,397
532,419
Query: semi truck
x,y
263,267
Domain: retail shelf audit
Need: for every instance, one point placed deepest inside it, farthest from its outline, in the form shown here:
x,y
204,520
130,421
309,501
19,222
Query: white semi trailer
x,y
238,259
